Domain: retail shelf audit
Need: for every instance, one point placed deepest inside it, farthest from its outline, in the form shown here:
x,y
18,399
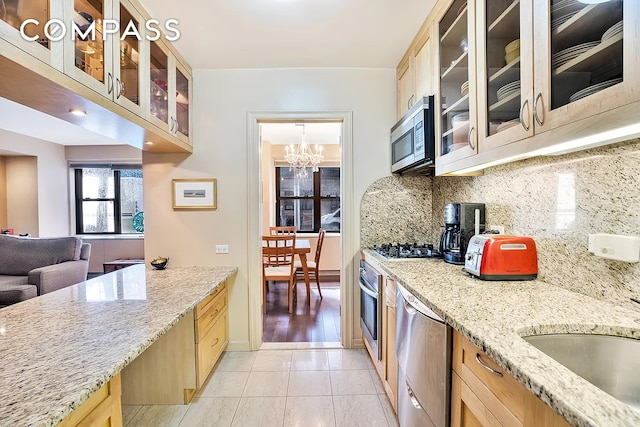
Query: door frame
x,y
254,217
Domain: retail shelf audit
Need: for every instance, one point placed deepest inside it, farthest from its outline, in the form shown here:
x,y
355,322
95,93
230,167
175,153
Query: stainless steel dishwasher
x,y
423,346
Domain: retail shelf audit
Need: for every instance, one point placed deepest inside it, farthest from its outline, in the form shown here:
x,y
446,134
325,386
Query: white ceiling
x,y
291,133
293,33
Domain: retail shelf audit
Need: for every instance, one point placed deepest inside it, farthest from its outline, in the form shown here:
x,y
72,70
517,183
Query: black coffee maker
x,y
459,227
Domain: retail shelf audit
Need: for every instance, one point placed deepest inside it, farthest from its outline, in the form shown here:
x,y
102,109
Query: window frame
x,y
116,199
317,198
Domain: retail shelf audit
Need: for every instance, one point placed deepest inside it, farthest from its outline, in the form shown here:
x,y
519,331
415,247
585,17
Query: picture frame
x,y
194,193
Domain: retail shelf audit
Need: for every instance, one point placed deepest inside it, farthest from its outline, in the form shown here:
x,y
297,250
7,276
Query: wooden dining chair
x,y
277,231
312,266
278,264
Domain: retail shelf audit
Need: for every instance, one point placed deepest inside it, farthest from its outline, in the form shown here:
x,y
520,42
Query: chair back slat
x,y
277,231
278,250
321,234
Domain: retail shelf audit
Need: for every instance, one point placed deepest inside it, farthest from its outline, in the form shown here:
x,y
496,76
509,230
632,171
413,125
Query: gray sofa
x,y
34,266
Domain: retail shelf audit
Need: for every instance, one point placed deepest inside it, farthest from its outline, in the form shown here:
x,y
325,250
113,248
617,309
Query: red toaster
x,y
497,257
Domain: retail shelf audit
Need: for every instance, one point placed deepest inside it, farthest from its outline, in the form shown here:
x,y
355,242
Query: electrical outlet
x,y
498,228
222,249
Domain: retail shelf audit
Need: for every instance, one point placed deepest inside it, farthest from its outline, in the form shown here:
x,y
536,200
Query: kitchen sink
x,y
610,363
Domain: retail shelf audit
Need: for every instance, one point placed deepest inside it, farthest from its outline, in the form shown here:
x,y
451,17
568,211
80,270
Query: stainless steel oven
x,y
371,307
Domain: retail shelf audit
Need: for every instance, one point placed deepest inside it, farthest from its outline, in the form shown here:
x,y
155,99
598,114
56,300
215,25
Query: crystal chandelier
x,y
301,158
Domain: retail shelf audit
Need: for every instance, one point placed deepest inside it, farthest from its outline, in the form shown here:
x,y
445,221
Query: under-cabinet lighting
x,y
148,143
77,112
608,137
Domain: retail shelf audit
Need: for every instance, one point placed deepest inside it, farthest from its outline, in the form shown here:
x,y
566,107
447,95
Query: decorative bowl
x,y
160,263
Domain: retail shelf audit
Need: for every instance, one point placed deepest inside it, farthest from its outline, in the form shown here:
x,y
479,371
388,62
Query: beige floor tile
x,y
233,361
309,383
204,411
225,384
272,360
377,382
260,411
316,411
352,382
128,413
392,419
266,384
159,416
310,360
359,411
349,359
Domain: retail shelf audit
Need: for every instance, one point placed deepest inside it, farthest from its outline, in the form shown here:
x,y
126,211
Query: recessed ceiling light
x,y
77,112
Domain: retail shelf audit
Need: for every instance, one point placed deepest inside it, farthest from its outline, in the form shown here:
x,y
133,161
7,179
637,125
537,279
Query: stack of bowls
x,y
512,51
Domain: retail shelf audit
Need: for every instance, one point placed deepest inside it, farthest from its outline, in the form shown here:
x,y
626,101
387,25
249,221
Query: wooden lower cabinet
x,y
483,394
177,365
102,409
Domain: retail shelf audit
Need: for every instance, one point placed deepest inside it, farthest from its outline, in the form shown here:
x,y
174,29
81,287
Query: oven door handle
x,y
368,291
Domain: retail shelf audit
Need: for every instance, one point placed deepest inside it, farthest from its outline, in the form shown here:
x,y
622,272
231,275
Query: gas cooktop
x,y
406,251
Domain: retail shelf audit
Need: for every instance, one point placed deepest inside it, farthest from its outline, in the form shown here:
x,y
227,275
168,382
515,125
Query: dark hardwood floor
x,y
319,322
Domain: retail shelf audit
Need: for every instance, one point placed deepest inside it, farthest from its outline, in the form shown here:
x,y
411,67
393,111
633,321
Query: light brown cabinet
x,y
518,78
483,394
414,74
102,408
110,78
176,366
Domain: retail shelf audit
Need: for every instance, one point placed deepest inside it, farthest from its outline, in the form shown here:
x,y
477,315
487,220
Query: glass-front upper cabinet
x,y
34,41
590,65
183,91
456,53
505,71
159,84
128,71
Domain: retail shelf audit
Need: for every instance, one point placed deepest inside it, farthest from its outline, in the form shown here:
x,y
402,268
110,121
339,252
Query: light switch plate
x,y
222,249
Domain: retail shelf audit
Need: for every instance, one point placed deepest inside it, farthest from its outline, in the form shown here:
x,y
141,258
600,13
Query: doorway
x,y
301,188
342,278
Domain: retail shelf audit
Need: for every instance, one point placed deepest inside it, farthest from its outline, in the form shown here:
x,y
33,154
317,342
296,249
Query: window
x,y
310,202
109,199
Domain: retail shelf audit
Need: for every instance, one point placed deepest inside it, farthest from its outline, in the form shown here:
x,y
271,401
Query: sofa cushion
x,y
20,255
14,289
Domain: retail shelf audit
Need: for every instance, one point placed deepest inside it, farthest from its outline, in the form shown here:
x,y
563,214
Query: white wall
x,y
22,195
222,99
52,183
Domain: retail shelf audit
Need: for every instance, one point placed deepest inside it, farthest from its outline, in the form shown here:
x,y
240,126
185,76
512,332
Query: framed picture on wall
x,y
194,193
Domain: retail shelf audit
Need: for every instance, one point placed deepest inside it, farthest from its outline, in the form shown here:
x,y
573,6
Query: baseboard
x,y
238,346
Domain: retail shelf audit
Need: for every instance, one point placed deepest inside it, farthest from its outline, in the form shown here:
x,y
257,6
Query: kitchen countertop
x,y
59,348
495,315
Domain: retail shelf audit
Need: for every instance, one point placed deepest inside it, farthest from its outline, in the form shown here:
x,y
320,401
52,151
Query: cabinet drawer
x,y
500,392
205,304
210,347
213,312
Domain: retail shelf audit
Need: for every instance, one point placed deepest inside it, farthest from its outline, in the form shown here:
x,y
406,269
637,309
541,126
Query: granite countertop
x,y
59,348
495,315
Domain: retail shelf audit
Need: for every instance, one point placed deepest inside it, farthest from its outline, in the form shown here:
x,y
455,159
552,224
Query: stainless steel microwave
x,y
413,139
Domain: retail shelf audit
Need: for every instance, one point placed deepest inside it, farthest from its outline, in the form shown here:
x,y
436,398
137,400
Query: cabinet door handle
x,y
410,102
171,125
471,129
119,86
109,83
535,109
215,312
487,367
215,343
524,125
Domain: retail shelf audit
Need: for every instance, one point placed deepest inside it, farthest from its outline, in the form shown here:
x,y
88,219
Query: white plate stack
x,y
563,5
593,89
613,31
464,89
561,20
508,90
560,58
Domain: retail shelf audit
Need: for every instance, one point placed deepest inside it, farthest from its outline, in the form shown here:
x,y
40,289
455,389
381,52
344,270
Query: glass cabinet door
x,y
590,66
12,15
127,85
457,83
182,103
159,80
92,55
505,71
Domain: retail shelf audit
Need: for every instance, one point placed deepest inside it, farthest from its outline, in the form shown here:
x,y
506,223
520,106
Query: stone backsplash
x,y
559,201
396,209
